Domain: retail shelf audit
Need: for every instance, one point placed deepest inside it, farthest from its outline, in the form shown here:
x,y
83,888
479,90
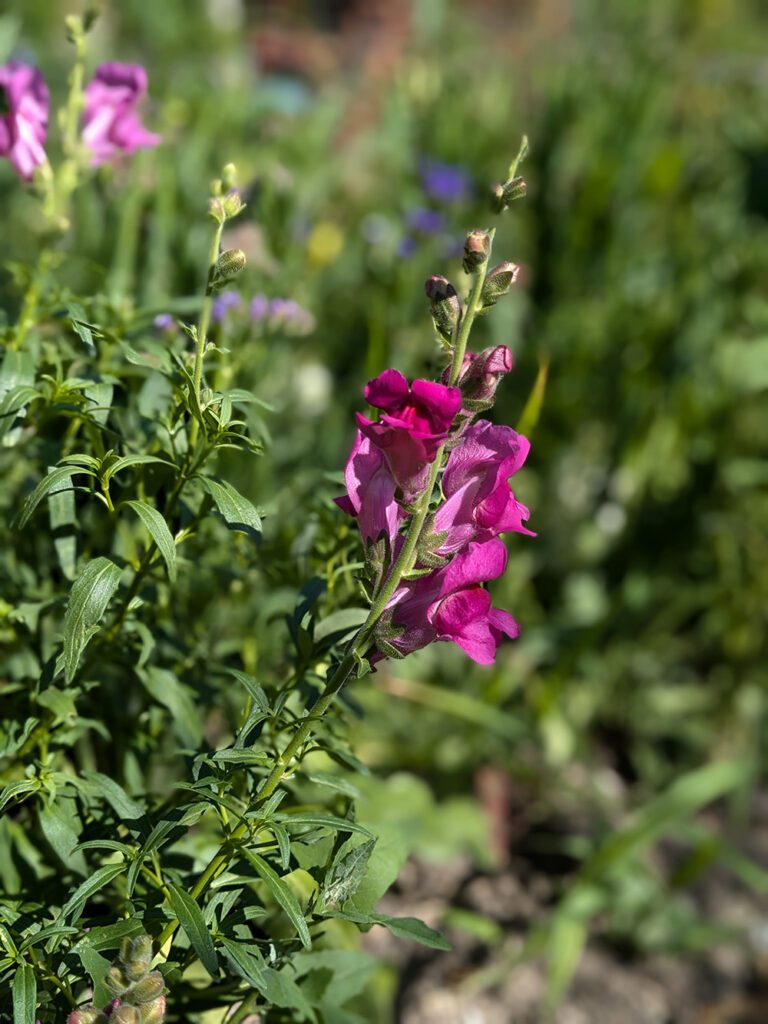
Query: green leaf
x,y
133,460
190,917
56,824
158,530
401,927
282,894
177,698
16,789
342,624
530,414
47,484
100,878
253,688
348,872
97,966
99,394
275,986
122,804
91,593
24,995
12,402
237,512
325,821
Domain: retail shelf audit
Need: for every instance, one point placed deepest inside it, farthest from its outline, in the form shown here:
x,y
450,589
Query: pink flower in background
x,y
479,502
111,123
414,423
370,491
451,604
23,117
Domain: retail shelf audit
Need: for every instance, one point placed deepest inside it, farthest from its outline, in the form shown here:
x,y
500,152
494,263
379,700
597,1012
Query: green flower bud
x,y
216,209
86,1015
136,970
141,947
229,176
232,203
116,981
444,305
497,283
476,249
228,265
148,989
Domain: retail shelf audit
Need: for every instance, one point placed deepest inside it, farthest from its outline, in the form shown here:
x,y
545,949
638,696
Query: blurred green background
x,y
643,601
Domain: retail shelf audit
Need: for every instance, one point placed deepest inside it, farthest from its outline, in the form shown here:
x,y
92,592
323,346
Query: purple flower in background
x,y
111,123
259,307
445,183
163,321
424,221
23,117
223,304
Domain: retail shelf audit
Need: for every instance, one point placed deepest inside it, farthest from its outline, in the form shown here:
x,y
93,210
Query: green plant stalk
x,y
204,323
358,645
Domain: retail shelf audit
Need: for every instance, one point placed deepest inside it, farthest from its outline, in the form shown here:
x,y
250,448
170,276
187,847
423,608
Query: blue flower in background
x,y
425,221
223,304
445,183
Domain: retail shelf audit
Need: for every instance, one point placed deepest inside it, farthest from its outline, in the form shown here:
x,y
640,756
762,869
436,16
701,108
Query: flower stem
x,y
204,323
473,304
358,646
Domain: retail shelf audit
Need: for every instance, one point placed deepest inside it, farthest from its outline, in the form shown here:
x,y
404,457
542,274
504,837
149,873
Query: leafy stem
x,y
204,324
358,646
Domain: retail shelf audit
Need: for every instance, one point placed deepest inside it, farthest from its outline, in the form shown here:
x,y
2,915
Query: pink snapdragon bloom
x,y
111,124
370,493
450,604
23,117
414,423
479,502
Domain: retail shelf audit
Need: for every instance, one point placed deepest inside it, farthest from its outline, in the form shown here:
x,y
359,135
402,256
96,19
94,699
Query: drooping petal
x,y
387,391
477,563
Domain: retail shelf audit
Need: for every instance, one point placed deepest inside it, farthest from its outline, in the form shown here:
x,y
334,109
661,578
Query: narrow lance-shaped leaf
x,y
62,517
24,995
46,485
282,894
237,512
100,878
190,917
158,530
91,593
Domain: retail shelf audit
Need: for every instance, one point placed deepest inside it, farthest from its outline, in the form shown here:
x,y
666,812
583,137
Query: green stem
x,y
359,644
247,1005
204,323
470,313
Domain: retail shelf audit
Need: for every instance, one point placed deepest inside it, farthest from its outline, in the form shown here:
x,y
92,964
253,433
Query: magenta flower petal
x,y
24,104
477,563
370,491
111,122
463,618
443,402
387,391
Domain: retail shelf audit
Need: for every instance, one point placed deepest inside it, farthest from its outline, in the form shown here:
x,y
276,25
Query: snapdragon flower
x,y
111,123
24,101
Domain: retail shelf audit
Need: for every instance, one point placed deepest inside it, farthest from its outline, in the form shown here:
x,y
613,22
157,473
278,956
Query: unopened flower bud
x,y
232,203
480,375
86,1015
497,283
229,176
503,195
228,265
476,249
126,1015
116,981
444,305
216,209
154,1012
148,989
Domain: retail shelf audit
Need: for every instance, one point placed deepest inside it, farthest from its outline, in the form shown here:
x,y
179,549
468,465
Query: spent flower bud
x,y
498,283
125,1014
503,195
444,304
228,265
480,375
476,249
154,1012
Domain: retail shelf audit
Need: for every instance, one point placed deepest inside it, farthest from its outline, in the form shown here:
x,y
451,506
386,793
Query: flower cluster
x,y
387,474
277,314
111,123
443,184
